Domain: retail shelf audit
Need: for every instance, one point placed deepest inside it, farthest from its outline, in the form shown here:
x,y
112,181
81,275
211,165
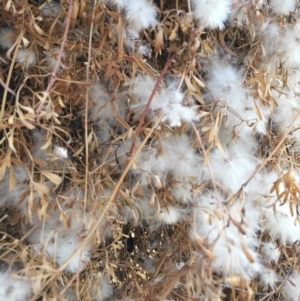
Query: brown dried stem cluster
x,y
85,40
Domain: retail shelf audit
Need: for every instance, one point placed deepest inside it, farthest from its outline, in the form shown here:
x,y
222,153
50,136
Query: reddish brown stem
x,y
142,120
60,54
5,86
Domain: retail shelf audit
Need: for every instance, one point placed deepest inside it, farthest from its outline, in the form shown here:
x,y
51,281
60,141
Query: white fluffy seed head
x,y
106,105
118,3
281,219
39,138
7,37
132,41
285,114
179,149
151,167
225,83
291,288
141,209
14,287
51,59
140,14
65,251
26,57
270,252
11,196
268,278
282,7
101,289
242,115
60,152
170,215
288,47
281,225
167,100
211,13
270,33
182,192
230,168
235,253
60,245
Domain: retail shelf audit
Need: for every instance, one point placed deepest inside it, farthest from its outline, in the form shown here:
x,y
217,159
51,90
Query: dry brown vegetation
x,y
85,41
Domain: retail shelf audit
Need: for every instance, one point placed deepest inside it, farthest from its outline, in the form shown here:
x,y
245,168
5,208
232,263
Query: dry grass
x,y
88,40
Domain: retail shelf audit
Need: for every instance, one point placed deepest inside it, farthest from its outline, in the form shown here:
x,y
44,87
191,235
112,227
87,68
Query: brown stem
x,y
56,68
142,120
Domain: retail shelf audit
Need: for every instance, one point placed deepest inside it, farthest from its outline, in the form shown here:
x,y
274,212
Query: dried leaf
x,y
41,188
257,111
42,211
198,82
52,177
173,34
74,12
159,40
25,122
142,65
247,253
152,200
189,84
12,179
5,163
39,162
38,29
27,109
234,280
158,181
11,141
206,251
2,171
47,144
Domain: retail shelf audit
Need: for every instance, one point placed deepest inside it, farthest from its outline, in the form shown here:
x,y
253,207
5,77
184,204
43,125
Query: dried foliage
x,y
105,185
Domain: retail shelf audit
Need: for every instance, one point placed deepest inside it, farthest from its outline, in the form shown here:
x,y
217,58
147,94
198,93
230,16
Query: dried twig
x,y
59,57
